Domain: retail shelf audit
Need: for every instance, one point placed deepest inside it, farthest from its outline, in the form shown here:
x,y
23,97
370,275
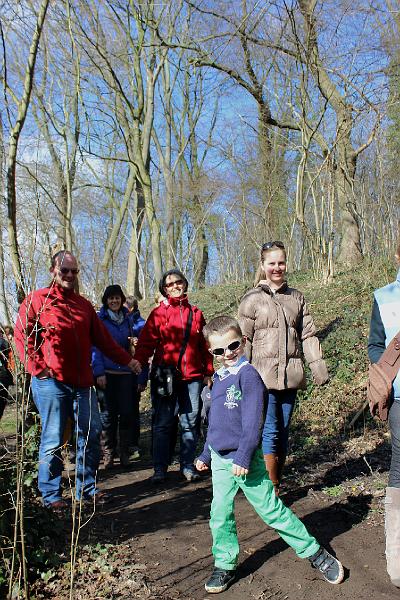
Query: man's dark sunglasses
x,y
275,244
65,271
231,347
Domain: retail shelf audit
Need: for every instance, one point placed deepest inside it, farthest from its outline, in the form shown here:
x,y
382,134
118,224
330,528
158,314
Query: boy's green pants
x,y
260,492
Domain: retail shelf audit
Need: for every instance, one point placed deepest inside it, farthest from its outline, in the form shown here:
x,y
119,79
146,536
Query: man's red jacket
x,y
163,335
57,328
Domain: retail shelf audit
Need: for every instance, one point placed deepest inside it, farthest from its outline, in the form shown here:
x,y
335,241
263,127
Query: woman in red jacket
x,y
181,365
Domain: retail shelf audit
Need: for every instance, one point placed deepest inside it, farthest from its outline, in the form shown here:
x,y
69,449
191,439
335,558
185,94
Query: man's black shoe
x,y
219,581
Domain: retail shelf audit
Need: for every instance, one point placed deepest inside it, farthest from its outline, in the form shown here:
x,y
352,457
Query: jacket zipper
x,y
78,353
184,370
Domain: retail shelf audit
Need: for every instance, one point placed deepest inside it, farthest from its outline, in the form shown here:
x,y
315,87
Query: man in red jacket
x,y
54,334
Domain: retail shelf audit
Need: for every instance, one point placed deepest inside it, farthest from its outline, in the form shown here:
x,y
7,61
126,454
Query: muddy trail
x,y
157,543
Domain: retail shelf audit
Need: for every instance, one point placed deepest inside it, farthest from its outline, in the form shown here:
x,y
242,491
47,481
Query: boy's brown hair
x,y
220,325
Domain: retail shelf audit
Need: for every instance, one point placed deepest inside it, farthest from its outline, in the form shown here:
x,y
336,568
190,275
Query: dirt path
x,y
153,542
165,531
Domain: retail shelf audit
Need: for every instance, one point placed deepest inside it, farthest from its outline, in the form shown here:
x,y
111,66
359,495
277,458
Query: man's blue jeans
x,y
187,402
277,422
56,402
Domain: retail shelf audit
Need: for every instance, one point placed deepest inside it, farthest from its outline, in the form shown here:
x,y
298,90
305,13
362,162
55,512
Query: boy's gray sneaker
x,y
219,581
331,569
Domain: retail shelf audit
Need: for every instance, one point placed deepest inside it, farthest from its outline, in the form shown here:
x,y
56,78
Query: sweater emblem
x,y
233,396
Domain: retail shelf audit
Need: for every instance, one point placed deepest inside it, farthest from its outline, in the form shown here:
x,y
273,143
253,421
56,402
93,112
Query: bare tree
x,y
346,154
130,75
22,109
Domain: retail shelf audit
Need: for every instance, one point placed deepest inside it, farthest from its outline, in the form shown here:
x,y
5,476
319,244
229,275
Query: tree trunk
x,y
170,237
4,312
15,133
113,236
350,243
264,151
132,279
154,226
201,259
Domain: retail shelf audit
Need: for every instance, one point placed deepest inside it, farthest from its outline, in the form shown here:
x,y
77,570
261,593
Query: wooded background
x,y
184,133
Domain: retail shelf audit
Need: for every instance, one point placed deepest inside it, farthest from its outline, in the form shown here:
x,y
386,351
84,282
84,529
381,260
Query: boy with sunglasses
x,y
232,448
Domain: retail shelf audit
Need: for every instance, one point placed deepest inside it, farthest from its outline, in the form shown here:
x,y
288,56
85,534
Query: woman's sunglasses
x,y
172,283
231,347
275,244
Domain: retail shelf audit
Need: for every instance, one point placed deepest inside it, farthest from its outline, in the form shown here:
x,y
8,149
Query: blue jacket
x,y
137,322
385,323
120,333
236,417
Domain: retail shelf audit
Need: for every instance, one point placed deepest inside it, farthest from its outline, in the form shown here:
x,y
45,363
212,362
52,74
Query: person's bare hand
x,y
101,382
201,466
135,366
238,470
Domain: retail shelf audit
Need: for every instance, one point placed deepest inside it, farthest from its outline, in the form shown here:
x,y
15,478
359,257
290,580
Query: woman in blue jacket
x,y
119,384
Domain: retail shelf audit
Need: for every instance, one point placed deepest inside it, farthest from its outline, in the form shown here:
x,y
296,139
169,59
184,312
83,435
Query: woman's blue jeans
x,y
394,423
56,402
186,403
277,421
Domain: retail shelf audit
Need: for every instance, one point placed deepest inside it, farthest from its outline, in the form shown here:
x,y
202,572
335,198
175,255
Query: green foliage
x,y
7,424
334,491
40,529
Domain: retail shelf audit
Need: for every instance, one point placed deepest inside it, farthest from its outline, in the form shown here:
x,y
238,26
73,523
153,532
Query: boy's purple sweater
x,y
236,418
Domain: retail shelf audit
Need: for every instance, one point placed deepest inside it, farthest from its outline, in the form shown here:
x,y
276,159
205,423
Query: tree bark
x,y
4,312
116,228
138,212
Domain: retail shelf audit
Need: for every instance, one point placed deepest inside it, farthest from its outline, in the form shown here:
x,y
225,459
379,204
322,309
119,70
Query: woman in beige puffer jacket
x,y
279,331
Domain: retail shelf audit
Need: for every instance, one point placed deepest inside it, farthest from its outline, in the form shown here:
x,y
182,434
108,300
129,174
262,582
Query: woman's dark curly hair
x,y
113,290
164,276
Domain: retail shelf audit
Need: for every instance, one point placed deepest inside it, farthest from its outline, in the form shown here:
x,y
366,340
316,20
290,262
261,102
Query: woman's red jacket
x,y
163,336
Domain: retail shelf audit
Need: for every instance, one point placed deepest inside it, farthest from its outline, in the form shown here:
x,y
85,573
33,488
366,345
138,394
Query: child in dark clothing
x,y
232,448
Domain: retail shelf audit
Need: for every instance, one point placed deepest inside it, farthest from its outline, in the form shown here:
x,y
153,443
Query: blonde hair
x,y
265,248
158,298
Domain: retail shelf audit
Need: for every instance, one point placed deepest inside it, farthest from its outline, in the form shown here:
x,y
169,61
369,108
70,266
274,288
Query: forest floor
x,y
153,541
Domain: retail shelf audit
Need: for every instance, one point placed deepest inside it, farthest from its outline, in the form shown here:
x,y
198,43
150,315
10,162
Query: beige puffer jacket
x,y
280,329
